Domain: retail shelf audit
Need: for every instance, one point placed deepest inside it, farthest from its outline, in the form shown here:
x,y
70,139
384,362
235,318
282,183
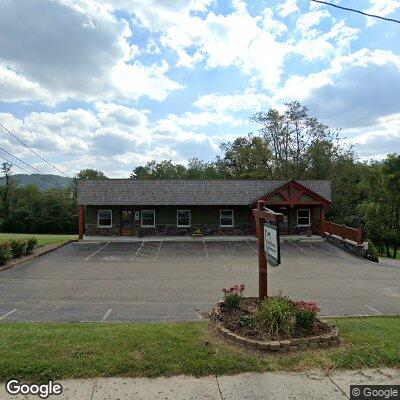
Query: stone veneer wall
x,y
351,247
94,230
170,230
207,229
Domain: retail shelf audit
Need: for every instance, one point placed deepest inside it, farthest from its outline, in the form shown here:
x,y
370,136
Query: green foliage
x,y
246,321
5,252
232,300
373,252
276,315
19,247
305,319
31,243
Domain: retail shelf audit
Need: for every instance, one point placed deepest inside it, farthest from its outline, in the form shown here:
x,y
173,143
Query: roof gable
x,y
293,192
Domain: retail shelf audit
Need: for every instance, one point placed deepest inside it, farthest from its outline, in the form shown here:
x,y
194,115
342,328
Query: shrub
x,y
18,247
31,243
276,315
306,314
372,251
233,296
246,321
5,252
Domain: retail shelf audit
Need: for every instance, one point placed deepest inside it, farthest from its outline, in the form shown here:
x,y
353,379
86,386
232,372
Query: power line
x,y
13,163
356,11
33,151
30,166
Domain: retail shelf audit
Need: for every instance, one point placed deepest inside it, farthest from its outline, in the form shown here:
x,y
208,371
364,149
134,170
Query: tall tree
x,y
300,144
7,193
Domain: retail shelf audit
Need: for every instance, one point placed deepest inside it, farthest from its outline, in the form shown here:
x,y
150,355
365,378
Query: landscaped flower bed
x,y
276,323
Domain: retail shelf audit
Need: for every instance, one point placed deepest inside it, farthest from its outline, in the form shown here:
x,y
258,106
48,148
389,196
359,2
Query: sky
x,y
112,84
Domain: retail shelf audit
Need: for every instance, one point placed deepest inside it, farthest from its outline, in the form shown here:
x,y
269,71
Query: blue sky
x,y
111,84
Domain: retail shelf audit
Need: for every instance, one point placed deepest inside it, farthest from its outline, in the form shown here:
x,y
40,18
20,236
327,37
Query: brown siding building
x,y
128,207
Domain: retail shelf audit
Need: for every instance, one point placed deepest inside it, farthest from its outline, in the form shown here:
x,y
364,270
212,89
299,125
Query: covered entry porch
x,y
303,210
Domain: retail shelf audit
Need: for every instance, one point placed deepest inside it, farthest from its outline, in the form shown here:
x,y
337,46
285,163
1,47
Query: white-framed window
x,y
183,218
303,217
148,219
104,218
226,218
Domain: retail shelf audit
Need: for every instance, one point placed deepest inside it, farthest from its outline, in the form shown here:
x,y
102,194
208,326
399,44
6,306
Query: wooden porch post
x,y
262,260
81,221
322,218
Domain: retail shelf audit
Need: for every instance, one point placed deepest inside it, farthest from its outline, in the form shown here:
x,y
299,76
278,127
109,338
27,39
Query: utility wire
x,y
30,166
23,168
33,151
356,11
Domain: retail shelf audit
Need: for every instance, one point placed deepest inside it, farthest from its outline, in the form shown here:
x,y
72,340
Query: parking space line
x,y
252,248
205,249
373,309
101,248
138,251
158,252
299,248
7,314
106,315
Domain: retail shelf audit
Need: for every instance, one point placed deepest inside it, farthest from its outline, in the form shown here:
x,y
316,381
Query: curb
x,y
18,261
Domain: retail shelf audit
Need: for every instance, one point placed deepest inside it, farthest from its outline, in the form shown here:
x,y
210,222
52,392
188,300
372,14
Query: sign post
x,y
261,215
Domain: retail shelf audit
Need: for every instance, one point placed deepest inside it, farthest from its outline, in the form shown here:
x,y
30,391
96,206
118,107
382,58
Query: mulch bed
x,y
229,319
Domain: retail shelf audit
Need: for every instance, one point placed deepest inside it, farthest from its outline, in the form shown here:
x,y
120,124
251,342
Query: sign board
x,y
272,245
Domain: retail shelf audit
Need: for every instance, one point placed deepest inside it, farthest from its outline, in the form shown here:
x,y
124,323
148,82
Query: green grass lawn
x,y
39,351
42,238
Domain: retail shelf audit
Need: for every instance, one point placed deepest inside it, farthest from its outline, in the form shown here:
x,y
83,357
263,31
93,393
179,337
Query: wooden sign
x,y
272,246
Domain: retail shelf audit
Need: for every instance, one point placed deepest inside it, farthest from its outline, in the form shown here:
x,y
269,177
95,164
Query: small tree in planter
x,y
233,296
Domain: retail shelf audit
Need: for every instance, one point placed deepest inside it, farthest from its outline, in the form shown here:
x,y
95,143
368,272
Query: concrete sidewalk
x,y
277,386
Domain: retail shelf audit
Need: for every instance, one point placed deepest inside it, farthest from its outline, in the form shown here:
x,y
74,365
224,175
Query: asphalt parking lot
x,y
158,281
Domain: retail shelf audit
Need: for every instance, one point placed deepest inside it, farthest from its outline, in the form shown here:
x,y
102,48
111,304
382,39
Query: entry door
x,y
127,223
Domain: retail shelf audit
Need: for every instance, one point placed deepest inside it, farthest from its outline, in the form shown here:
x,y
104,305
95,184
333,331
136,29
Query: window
x,y
226,217
104,218
183,218
303,217
148,218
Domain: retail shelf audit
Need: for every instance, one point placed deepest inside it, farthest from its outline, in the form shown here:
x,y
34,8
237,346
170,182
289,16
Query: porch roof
x,y
184,192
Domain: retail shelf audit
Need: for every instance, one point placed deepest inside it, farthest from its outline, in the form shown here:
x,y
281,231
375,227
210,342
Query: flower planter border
x,y
313,342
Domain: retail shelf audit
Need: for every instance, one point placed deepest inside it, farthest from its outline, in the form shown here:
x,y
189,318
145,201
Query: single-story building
x,y
129,207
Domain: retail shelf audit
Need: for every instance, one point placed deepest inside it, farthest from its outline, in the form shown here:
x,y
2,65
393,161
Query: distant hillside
x,y
44,182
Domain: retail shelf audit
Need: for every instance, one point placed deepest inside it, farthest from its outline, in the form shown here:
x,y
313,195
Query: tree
x,y
380,210
159,170
300,145
90,174
8,191
247,158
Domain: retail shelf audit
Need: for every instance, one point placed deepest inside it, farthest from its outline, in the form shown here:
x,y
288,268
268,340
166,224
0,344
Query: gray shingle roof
x,y
182,192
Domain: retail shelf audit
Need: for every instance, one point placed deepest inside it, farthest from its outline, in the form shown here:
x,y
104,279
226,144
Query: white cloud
x,y
247,101
355,91
287,8
71,50
376,141
381,7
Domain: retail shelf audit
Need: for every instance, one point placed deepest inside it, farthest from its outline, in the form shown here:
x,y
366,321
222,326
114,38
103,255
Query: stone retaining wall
x,y
313,342
359,250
